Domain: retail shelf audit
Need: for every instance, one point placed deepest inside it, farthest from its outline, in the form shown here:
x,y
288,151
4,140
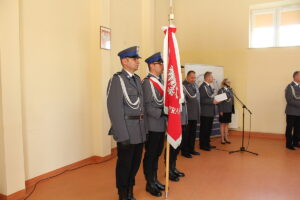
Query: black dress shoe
x,y
205,148
195,153
153,190
173,176
159,185
290,148
223,142
130,193
178,173
297,145
187,155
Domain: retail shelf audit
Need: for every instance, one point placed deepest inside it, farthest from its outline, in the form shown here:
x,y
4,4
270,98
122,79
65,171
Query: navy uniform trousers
x,y
206,124
128,163
153,149
292,132
189,137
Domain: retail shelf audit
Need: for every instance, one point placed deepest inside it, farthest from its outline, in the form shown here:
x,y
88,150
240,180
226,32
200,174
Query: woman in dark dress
x,y
225,108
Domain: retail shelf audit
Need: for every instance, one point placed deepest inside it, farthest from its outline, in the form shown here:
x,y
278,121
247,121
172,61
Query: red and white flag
x,y
160,88
173,86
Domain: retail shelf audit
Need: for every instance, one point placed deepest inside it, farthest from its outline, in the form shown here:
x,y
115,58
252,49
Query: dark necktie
x,y
193,88
211,90
134,79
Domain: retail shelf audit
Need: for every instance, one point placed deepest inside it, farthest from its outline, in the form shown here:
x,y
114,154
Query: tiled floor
x,y
273,175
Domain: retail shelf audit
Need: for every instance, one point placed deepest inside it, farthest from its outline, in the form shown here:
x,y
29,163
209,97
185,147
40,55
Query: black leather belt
x,y
137,117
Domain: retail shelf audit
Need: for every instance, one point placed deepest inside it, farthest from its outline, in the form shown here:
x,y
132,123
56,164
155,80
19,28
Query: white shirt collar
x,y
297,84
206,83
130,74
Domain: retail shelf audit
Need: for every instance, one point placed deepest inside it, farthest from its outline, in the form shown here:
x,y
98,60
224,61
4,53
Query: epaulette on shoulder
x,y
117,73
146,78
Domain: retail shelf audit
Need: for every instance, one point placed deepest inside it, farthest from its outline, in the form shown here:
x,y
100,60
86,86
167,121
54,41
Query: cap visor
x,y
135,56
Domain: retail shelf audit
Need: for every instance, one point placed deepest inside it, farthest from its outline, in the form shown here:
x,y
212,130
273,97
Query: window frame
x,y
276,10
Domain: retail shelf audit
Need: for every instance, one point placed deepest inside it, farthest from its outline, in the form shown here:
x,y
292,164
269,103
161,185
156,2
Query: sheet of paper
x,y
221,97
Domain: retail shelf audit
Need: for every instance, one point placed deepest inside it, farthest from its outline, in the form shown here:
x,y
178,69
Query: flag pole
x,y
171,15
167,169
171,18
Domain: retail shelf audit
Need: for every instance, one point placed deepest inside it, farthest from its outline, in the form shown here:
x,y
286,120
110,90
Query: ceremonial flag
x,y
173,86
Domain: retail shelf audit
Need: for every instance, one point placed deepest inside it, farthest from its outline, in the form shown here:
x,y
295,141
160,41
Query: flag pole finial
x,y
171,15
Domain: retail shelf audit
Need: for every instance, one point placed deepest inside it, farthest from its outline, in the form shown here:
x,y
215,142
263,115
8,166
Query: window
x,y
275,27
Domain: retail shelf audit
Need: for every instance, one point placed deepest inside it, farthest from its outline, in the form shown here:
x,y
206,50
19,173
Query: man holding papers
x,y
207,103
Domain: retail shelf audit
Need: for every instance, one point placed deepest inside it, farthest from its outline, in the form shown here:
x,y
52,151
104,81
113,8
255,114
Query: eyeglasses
x,y
159,63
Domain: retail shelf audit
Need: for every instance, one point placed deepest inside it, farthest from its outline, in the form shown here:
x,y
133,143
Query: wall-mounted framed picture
x,y
105,37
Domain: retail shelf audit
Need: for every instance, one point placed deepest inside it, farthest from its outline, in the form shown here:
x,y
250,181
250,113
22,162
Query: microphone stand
x,y
242,148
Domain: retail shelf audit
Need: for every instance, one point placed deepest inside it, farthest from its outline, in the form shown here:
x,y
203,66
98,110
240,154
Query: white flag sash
x,y
157,85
